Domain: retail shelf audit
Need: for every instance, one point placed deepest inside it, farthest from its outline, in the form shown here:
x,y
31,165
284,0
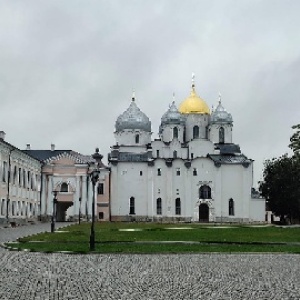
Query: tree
x,y
295,140
281,186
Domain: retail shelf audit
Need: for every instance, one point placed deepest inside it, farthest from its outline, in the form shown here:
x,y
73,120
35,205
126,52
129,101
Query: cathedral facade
x,y
193,172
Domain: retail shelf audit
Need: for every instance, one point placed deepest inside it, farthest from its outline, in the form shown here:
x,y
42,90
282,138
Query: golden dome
x,y
193,104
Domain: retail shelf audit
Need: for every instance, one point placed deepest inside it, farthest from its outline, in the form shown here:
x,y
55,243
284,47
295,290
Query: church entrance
x,y
203,213
61,210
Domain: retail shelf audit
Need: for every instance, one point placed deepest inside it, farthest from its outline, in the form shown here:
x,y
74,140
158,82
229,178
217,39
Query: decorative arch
x,y
195,132
131,206
175,133
221,135
64,188
137,138
231,207
158,206
205,192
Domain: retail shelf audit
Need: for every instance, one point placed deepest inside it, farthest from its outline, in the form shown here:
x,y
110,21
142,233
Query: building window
x,y
141,173
28,179
175,154
231,207
178,171
159,172
100,188
15,175
158,206
137,138
195,132
221,135
64,188
177,206
157,153
205,192
101,215
192,155
19,176
194,172
3,207
24,178
4,171
175,133
131,206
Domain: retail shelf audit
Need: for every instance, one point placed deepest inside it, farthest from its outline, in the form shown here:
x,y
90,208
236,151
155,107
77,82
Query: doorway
x,y
203,213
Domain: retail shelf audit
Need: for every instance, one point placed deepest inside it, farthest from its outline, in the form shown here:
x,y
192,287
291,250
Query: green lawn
x,y
115,237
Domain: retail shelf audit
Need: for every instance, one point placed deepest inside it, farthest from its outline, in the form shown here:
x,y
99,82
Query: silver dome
x,y
220,115
133,118
172,116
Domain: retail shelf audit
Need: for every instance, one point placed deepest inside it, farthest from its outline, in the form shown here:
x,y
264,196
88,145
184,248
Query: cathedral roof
x,y
220,115
133,118
194,104
172,115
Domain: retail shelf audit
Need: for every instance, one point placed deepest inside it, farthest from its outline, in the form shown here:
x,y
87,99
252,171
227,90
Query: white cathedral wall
x,y
193,120
214,133
127,137
200,148
167,134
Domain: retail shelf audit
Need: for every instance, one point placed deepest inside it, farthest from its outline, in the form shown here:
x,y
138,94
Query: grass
x,y
112,238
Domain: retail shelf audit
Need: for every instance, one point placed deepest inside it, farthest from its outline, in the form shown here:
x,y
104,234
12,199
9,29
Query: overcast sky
x,y
68,68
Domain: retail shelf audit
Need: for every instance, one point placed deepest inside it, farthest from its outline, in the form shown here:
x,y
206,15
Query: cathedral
x,y
192,173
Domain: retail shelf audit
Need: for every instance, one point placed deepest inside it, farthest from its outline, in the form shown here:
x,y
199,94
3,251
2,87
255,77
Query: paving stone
x,y
38,276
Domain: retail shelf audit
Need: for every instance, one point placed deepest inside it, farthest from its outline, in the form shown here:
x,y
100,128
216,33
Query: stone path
x,y
26,275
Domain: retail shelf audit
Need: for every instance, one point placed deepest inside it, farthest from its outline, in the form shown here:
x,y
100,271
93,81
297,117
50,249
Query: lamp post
x,y
94,178
54,211
79,214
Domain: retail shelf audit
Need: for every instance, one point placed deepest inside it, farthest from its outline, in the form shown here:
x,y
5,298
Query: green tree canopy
x,y
295,140
281,186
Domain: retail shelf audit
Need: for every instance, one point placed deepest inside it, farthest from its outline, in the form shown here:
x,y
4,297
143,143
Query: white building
x,y
193,172
20,187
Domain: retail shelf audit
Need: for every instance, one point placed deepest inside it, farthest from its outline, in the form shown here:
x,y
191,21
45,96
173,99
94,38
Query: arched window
x,y
131,206
15,174
205,192
64,188
158,206
177,206
175,133
195,132
231,207
137,138
221,135
175,154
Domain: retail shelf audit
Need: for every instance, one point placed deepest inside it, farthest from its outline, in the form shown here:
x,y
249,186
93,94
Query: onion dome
x,y
220,115
133,118
194,104
172,115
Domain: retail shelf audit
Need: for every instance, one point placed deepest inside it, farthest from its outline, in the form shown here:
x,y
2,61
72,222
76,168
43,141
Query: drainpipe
x,y
41,190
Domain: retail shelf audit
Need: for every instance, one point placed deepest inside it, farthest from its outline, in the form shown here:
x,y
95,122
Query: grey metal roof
x,y
228,148
133,118
230,159
43,155
172,115
220,115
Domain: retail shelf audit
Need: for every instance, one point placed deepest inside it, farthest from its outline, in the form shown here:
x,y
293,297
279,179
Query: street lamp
x,y
94,178
54,211
79,214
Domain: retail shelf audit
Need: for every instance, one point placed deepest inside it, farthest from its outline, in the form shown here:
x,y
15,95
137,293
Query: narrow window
x,y
4,171
19,176
137,138
178,171
159,172
64,188
194,172
100,188
158,206
101,215
157,153
177,206
175,133
195,132
205,192
15,174
231,207
175,154
141,173
131,206
24,178
192,155
221,135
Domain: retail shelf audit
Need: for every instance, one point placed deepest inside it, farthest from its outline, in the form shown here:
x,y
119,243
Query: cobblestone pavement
x,y
26,275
